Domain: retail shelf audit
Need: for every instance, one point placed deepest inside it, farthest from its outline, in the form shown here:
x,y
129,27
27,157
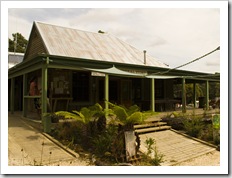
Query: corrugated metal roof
x,y
69,42
14,58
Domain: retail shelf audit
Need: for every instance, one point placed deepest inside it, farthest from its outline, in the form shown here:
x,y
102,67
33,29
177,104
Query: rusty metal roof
x,y
75,43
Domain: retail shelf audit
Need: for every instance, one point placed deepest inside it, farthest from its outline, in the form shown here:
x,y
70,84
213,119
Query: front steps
x,y
151,125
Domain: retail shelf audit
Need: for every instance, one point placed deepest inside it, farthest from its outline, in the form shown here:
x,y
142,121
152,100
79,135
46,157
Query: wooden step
x,y
152,129
149,125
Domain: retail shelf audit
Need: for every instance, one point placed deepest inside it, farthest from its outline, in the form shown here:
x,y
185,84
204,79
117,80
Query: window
x,y
81,86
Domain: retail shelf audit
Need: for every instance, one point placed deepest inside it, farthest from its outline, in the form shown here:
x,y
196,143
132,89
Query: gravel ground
x,y
28,162
15,159
210,159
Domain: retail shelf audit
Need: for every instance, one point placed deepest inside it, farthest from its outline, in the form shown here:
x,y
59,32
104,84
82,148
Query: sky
x,y
173,35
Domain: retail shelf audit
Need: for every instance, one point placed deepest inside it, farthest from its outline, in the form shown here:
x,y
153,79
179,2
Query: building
x,y
14,59
81,68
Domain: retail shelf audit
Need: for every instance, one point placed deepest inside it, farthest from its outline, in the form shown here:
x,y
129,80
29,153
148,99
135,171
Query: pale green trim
x,y
183,96
45,119
12,95
25,101
194,94
207,94
106,91
152,94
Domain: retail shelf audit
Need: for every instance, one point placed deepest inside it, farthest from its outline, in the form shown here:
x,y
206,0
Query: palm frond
x,y
120,112
132,109
68,115
136,117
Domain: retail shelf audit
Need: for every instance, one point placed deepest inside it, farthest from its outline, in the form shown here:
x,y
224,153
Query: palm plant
x,y
108,139
127,117
92,119
85,115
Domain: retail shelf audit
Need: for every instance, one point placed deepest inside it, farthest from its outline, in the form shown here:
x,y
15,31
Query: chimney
x,y
100,31
145,60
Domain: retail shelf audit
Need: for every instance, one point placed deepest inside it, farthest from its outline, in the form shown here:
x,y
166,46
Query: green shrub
x,y
102,143
55,118
206,133
193,126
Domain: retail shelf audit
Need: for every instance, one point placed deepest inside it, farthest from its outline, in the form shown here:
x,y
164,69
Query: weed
x,y
50,153
153,156
35,162
41,158
22,156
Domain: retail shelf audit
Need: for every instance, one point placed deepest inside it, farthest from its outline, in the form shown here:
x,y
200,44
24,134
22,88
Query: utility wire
x,y
218,48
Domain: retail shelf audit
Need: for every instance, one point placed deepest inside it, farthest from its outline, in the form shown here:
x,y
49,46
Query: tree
x,y
18,44
214,90
189,91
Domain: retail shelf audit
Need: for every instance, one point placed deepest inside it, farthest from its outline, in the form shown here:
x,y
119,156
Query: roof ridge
x,y
71,28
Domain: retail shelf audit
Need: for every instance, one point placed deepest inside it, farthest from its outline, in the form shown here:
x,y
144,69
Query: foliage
x,y
189,90
206,133
214,89
88,122
216,121
193,126
123,115
152,155
102,142
216,128
89,128
200,88
18,44
175,120
68,115
196,126
85,115
55,118
129,116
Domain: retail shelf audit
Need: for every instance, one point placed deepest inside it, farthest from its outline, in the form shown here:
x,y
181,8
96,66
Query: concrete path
x,y
27,146
175,147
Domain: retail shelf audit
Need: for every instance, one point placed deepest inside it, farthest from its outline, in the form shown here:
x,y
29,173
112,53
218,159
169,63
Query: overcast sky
x,y
172,35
